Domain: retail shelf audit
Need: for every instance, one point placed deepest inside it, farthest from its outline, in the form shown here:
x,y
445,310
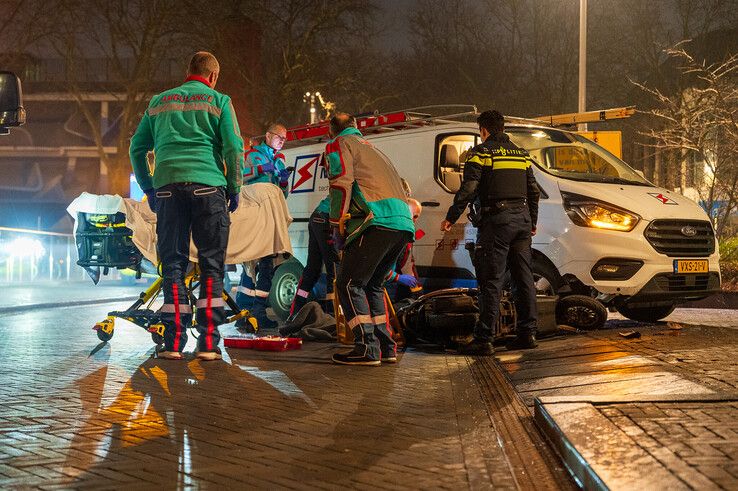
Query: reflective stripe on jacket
x,y
194,133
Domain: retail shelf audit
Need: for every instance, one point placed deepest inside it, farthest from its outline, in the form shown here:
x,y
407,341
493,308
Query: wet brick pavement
x,y
79,414
696,441
670,395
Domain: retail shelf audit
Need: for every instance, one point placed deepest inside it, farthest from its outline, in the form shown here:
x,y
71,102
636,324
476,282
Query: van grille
x,y
667,237
686,282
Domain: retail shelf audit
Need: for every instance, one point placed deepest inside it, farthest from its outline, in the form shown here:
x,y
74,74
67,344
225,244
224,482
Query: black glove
x,y
151,198
233,202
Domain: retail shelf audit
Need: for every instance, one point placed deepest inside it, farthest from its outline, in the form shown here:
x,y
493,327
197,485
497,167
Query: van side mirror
x,y
12,112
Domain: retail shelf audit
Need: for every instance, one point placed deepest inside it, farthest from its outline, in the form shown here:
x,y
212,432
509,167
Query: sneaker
x,y
352,358
477,347
161,352
522,341
209,355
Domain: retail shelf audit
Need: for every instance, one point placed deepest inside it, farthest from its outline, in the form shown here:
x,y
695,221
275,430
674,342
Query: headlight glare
x,y
588,212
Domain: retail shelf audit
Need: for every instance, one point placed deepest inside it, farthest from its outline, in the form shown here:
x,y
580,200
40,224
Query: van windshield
x,y
571,156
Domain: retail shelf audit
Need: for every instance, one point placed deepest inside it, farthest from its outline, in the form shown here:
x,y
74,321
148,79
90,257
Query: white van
x,y
603,230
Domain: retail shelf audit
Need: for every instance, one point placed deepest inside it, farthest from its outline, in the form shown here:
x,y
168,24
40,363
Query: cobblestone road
x,y
696,441
668,400
79,414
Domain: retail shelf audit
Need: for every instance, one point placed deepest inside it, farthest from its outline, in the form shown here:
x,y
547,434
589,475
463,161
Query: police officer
x,y
194,134
499,174
264,163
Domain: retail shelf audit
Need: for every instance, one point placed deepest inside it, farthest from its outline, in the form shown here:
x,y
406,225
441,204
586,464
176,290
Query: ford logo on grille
x,y
689,231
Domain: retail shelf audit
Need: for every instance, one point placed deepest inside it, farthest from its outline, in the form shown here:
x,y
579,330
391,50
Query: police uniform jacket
x,y
496,171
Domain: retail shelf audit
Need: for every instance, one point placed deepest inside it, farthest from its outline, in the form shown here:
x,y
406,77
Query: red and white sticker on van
x,y
665,200
304,177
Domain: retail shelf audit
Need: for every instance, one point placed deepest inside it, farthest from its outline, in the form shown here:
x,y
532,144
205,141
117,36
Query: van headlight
x,y
589,212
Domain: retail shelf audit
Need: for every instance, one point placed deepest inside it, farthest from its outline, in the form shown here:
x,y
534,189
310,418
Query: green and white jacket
x,y
194,134
364,184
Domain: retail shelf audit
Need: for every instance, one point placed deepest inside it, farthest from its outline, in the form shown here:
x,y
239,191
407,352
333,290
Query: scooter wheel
x,y
582,312
104,336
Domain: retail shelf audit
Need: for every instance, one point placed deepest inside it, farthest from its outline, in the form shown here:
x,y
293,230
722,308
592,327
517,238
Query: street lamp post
x,y
310,98
582,60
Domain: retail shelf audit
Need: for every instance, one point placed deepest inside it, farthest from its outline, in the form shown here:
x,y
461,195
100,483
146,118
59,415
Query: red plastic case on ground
x,y
266,343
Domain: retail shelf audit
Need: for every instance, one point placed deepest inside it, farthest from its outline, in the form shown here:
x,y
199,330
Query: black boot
x,y
244,326
522,341
259,312
477,347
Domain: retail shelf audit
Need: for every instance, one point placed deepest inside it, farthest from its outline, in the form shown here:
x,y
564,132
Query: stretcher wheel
x,y
105,329
157,333
104,336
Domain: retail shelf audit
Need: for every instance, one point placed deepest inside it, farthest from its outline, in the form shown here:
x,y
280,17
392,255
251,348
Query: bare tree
x,y
700,122
298,42
120,47
22,24
517,55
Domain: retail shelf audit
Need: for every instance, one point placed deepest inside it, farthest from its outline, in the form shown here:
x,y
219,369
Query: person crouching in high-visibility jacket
x,y
365,185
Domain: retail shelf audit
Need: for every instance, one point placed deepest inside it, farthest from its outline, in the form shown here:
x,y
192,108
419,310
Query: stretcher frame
x,y
141,314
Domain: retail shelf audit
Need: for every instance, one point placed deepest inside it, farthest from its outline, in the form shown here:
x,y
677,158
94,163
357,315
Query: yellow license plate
x,y
691,265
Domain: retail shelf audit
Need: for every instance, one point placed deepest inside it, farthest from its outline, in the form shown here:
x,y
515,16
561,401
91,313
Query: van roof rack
x,y
598,116
382,122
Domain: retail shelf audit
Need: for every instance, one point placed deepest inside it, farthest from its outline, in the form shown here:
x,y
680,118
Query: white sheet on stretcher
x,y
258,226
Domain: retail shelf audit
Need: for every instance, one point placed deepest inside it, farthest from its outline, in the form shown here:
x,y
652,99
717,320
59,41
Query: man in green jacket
x,y
368,197
198,149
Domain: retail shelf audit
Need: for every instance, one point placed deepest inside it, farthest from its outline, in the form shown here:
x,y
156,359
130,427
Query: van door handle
x,y
432,204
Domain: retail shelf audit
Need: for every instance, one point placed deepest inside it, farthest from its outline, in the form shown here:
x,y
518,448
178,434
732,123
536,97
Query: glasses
x,y
278,137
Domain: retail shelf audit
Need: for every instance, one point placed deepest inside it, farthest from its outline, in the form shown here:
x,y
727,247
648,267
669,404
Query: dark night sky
x,y
393,20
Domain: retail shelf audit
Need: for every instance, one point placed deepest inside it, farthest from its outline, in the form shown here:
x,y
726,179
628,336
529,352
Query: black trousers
x,y
199,210
321,253
360,287
504,241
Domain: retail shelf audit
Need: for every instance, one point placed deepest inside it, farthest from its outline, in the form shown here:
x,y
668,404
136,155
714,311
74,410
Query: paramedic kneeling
x,y
365,184
499,173
194,134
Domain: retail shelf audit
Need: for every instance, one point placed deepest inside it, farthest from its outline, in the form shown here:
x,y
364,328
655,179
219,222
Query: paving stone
x,y
82,415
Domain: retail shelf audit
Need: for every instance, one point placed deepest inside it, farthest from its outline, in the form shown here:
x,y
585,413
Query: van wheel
x,y
545,277
581,311
284,286
646,314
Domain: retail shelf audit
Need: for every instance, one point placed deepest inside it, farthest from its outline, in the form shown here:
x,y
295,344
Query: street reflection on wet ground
x,y
77,412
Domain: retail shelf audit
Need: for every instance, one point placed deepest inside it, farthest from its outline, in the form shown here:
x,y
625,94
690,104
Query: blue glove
x,y
338,241
284,175
267,168
151,198
408,280
233,202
